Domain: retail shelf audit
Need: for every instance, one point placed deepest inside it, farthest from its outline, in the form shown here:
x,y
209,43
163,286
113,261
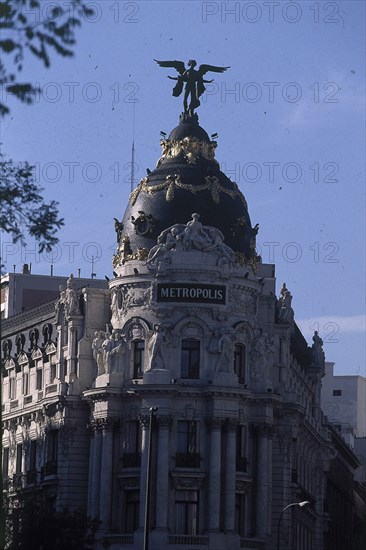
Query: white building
x,y
190,325
344,402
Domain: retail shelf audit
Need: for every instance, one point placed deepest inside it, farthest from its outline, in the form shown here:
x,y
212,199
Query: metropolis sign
x,y
190,292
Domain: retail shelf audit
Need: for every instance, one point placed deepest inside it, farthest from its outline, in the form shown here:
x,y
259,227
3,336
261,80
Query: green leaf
x,y
8,45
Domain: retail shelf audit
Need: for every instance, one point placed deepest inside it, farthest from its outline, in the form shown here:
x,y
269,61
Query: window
x,y
19,456
32,472
240,514
138,351
187,447
132,444
25,383
240,356
52,451
52,373
5,462
337,393
132,507
33,454
63,369
241,450
190,358
12,382
186,512
39,379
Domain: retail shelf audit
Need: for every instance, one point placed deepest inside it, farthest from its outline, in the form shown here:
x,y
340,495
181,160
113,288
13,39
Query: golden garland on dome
x,y
172,181
189,147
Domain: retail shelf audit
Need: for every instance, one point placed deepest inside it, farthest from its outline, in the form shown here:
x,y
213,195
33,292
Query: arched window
x,y
138,356
190,358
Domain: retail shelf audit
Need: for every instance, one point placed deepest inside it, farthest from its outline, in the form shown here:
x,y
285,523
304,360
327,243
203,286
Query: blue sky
x,y
291,122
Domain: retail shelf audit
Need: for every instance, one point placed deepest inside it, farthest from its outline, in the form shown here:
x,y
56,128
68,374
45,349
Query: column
x,y
90,475
162,483
214,481
106,474
269,481
230,475
72,339
144,452
262,504
95,482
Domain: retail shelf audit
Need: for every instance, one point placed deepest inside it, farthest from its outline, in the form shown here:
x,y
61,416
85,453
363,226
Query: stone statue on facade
x,y
117,351
226,350
194,236
317,353
107,346
187,237
214,344
118,227
156,345
98,351
260,361
286,313
69,298
167,241
108,351
193,80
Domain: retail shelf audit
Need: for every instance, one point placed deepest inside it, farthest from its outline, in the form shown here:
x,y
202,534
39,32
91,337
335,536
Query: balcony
x,y
52,388
188,539
14,404
131,460
187,460
117,539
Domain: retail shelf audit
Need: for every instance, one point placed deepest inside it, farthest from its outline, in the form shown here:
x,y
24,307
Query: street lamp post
x,y
152,410
301,504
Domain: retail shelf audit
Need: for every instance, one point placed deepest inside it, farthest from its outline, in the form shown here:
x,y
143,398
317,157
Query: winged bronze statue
x,y
195,83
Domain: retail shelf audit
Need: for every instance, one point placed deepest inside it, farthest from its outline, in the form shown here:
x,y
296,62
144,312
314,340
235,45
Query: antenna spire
x,y
133,150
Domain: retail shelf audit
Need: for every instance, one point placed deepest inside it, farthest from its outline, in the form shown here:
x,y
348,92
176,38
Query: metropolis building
x,y
192,326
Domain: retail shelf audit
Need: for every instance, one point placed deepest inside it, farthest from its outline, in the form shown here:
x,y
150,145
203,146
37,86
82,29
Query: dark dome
x,y
187,129
187,179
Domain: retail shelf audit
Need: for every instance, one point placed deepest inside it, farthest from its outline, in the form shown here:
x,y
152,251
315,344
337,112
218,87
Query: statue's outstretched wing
x,y
177,65
203,69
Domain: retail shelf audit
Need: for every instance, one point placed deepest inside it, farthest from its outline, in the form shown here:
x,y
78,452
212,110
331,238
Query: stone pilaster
x,y
230,474
163,473
263,479
106,474
94,482
214,480
145,423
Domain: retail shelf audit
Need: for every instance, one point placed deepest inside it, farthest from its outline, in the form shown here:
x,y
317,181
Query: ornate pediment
x,y
50,348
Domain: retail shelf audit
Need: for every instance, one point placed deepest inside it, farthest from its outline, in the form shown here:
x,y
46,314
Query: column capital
x,y
231,424
214,422
263,429
164,421
103,424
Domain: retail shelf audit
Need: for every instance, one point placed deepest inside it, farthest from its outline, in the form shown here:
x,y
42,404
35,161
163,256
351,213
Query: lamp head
x,y
304,503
